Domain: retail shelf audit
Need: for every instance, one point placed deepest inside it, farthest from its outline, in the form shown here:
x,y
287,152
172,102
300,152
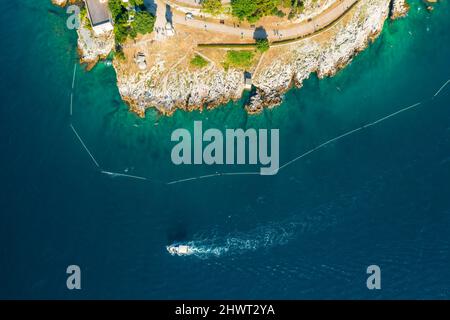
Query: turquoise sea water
x,y
378,196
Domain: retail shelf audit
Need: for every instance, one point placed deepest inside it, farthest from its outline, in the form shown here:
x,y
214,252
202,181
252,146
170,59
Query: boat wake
x,y
263,237
238,243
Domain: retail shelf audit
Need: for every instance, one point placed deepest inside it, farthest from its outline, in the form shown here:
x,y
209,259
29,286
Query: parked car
x,y
189,16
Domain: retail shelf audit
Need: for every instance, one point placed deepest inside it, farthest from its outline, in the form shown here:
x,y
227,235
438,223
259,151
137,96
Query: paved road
x,y
298,30
195,3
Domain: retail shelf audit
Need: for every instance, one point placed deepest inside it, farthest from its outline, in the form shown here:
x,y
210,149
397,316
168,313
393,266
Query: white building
x,y
100,16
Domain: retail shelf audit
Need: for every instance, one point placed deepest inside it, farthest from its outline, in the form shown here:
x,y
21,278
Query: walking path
x,y
299,30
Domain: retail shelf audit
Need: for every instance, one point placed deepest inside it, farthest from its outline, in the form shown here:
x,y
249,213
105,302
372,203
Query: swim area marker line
x,y
307,153
349,133
116,174
71,126
219,174
441,88
73,77
71,103
84,146
109,173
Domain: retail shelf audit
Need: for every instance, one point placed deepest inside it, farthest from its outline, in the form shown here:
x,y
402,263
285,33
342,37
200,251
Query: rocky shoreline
x,y
63,3
325,58
399,9
92,49
169,88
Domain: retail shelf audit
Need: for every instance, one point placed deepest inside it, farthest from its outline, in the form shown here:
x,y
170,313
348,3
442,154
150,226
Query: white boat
x,y
178,249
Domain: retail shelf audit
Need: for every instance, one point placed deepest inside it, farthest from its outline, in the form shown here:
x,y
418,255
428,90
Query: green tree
x,y
243,8
213,7
262,45
121,30
116,7
137,3
253,10
143,23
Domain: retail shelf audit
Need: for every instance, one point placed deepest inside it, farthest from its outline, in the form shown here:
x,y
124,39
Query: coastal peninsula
x,y
186,54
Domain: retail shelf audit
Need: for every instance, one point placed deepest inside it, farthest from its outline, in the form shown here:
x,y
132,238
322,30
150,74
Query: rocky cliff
x,y
170,86
399,9
92,48
324,54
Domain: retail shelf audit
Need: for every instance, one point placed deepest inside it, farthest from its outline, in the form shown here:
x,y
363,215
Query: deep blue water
x,y
379,196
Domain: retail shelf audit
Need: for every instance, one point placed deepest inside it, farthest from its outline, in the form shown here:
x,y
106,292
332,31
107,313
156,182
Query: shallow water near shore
x,y
378,196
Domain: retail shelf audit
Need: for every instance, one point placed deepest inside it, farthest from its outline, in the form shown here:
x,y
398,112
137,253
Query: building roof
x,y
98,11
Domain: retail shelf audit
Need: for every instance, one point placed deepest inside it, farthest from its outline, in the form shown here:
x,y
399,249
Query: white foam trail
x,y
116,174
84,146
263,237
442,88
74,73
